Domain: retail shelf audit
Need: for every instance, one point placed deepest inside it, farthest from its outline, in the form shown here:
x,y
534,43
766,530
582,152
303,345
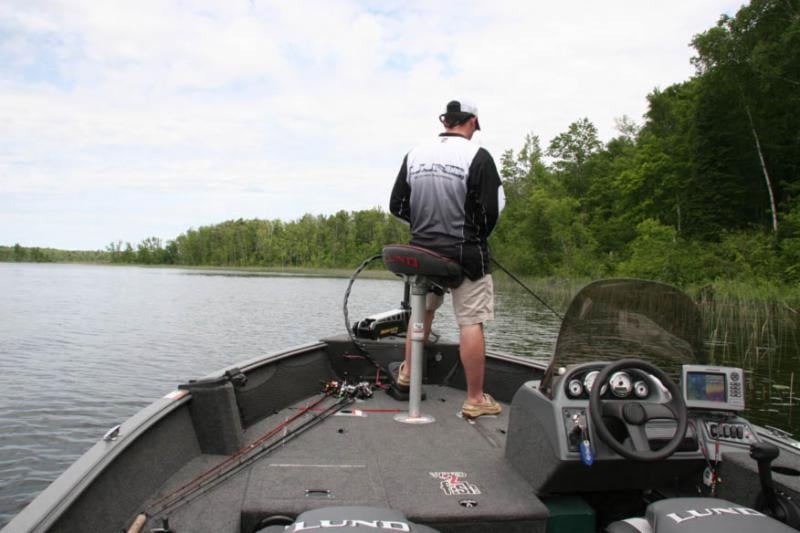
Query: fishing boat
x,y
627,427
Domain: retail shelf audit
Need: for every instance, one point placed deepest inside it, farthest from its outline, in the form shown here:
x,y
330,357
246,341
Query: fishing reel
x,y
344,389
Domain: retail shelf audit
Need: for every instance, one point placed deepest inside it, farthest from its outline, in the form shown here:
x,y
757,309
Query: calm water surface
x,y
82,348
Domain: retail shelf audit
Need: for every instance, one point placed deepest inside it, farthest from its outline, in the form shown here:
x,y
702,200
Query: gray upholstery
x,y
630,525
702,515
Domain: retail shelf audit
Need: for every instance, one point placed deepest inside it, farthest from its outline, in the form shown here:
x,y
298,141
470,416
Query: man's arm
x,y
488,187
399,203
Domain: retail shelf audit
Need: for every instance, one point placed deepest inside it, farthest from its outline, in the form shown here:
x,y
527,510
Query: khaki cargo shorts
x,y
473,301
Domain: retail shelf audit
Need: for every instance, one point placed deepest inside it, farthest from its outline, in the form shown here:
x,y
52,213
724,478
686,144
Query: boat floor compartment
x,y
451,475
570,513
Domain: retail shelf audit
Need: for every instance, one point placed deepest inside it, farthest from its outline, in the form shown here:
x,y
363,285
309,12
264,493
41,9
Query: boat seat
x,y
345,519
408,261
699,515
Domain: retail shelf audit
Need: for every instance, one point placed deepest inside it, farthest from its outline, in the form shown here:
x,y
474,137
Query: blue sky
x,y
125,120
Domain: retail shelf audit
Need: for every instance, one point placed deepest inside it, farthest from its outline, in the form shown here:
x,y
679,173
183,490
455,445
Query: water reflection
x,y
522,327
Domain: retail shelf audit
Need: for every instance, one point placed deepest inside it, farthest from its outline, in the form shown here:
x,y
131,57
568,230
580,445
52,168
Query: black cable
x,y
361,347
515,278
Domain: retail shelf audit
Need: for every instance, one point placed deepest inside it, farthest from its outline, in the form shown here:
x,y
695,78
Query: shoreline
x,y
304,272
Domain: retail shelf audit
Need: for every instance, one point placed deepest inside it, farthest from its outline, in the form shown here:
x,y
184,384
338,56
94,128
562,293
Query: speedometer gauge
x,y
621,384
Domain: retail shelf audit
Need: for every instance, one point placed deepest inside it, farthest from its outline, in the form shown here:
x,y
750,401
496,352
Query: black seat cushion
x,y
406,259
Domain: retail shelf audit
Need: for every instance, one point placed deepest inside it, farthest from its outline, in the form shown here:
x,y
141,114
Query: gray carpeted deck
x,y
423,471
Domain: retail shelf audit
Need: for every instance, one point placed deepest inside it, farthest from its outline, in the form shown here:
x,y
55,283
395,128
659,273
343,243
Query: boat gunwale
x,y
50,504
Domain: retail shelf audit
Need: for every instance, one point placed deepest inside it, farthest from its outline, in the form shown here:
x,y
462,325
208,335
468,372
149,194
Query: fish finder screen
x,y
706,387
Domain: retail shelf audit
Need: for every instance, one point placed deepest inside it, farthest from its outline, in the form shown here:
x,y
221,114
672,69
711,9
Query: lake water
x,y
82,348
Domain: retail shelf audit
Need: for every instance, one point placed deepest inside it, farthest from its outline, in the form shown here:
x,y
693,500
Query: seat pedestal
x,y
423,270
419,289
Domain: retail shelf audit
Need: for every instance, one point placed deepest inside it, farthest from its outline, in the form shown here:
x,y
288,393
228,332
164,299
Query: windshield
x,y
619,319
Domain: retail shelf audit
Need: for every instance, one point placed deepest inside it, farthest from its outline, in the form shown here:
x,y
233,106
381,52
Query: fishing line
x,y
515,278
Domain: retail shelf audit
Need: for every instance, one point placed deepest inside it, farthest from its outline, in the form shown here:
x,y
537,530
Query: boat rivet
x,y
341,430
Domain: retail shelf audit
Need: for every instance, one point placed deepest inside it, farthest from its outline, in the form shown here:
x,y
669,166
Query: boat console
x,y
560,425
626,426
556,443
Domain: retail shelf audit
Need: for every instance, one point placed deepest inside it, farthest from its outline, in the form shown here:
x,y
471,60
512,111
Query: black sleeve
x,y
399,203
487,184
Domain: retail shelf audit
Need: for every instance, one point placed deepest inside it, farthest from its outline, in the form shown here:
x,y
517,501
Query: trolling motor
x,y
394,322
379,325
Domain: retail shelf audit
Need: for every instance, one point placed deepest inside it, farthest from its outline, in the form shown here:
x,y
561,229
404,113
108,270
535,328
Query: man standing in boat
x,y
448,191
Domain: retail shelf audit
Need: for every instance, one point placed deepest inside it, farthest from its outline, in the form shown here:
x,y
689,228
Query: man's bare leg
x,y
473,357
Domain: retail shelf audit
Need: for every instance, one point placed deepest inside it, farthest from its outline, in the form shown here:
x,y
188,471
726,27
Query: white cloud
x,y
269,109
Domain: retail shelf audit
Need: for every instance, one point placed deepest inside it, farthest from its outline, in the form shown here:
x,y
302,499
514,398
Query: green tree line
x,y
18,253
706,188
340,240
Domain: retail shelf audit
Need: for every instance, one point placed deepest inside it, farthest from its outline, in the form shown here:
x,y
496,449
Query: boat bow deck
x,y
451,475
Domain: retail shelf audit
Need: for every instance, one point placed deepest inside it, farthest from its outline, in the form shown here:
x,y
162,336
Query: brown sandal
x,y
402,381
488,407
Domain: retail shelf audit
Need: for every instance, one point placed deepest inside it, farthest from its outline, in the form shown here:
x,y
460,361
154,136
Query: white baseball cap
x,y
460,111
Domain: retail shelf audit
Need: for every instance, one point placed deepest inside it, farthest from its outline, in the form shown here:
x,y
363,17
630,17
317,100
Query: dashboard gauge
x,y
641,390
574,388
589,380
621,384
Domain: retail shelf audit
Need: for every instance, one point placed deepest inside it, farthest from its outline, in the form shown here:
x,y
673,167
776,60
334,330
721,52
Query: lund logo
x,y
408,261
388,525
704,513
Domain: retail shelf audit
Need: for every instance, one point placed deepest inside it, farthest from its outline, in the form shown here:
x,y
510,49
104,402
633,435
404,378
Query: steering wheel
x,y
635,413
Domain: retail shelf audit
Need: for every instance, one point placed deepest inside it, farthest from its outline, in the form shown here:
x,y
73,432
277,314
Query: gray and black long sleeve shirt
x,y
447,190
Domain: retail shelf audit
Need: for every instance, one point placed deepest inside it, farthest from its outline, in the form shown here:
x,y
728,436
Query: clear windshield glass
x,y
618,319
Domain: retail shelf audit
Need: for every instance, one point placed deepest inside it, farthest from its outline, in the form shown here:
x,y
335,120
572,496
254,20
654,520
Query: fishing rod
x,y
515,278
248,454
548,374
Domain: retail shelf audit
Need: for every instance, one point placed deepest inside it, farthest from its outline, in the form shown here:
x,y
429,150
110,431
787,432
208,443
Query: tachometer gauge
x,y
641,390
621,384
574,388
